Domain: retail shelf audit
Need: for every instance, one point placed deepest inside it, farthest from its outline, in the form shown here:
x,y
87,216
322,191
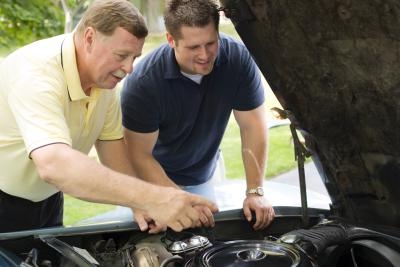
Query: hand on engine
x,y
178,210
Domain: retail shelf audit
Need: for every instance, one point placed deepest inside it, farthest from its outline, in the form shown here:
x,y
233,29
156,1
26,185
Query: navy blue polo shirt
x,y
191,118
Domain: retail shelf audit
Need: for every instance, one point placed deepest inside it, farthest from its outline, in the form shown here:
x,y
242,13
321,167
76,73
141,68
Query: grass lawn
x,y
280,152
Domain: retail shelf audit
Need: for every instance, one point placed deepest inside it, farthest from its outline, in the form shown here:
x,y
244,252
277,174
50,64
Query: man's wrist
x,y
255,191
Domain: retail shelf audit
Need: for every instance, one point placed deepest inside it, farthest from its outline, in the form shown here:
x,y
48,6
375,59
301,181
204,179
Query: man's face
x,y
197,49
110,58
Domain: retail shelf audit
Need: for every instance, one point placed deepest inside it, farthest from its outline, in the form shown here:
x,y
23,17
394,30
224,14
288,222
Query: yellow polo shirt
x,y
42,102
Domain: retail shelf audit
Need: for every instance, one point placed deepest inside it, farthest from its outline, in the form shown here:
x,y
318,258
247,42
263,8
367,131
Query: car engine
x,y
231,243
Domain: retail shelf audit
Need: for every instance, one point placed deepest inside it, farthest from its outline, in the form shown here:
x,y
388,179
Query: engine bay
x,y
232,242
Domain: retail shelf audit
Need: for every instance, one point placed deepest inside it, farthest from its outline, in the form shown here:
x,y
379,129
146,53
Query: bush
x,y
22,22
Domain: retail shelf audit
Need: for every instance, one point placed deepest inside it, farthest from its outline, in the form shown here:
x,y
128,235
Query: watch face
x,y
260,191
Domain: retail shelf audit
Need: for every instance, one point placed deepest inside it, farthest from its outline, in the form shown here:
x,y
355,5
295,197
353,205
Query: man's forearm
x,y
148,169
254,155
254,161
82,177
113,154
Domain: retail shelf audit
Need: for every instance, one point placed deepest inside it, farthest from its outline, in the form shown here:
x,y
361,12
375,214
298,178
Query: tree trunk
x,y
151,9
68,17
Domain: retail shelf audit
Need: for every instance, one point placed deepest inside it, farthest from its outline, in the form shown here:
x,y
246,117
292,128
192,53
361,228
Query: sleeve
x,y
250,94
140,104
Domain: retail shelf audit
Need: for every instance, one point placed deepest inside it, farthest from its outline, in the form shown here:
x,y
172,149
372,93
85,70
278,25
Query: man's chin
x,y
109,85
204,71
113,83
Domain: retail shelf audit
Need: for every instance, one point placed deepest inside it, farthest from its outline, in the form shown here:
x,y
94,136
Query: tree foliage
x,y
22,21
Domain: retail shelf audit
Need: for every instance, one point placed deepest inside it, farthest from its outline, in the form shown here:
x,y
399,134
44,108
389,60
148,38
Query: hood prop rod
x,y
300,153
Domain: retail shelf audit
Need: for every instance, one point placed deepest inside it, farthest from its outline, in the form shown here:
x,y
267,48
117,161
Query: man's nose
x,y
127,65
203,52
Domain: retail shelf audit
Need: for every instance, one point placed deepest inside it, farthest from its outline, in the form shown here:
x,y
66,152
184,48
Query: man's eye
x,y
121,56
210,44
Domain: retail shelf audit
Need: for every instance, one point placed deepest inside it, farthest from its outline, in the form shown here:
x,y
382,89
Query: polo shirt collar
x,y
222,54
70,67
172,68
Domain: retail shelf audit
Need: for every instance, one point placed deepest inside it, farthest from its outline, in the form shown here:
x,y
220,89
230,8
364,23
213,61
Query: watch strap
x,y
258,191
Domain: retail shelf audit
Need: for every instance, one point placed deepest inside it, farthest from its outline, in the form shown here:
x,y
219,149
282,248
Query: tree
x,y
73,11
152,11
22,21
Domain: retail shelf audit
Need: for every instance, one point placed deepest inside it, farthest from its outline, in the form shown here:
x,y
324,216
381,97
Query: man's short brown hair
x,y
192,13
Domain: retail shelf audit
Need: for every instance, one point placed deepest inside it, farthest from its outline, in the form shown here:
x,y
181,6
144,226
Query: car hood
x,y
230,197
335,68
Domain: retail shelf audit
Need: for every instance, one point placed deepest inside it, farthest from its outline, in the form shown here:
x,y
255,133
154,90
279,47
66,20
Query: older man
x,y
56,103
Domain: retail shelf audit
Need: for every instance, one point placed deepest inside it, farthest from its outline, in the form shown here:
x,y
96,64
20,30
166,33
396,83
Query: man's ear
x,y
170,40
89,37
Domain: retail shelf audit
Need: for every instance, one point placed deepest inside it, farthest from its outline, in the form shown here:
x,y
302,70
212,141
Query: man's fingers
x,y
187,222
197,200
260,220
181,211
258,212
209,216
141,221
203,219
206,216
271,215
154,228
187,218
247,213
143,226
264,218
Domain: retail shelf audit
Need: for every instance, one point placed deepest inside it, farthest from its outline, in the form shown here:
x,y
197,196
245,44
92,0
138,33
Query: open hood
x,y
335,68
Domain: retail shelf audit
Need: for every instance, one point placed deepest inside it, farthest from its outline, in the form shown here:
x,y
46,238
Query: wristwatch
x,y
258,191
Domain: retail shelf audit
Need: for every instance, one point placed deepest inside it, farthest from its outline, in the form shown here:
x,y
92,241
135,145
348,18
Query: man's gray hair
x,y
107,15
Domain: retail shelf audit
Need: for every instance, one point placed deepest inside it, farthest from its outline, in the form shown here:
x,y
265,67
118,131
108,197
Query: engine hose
x,y
316,239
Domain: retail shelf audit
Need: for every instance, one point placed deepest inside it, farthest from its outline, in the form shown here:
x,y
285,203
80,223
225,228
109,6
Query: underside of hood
x,y
335,68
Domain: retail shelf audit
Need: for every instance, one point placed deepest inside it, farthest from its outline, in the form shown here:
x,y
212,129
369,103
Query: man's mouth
x,y
119,74
203,62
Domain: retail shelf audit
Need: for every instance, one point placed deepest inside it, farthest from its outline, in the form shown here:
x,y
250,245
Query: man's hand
x,y
146,223
206,216
264,211
178,209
